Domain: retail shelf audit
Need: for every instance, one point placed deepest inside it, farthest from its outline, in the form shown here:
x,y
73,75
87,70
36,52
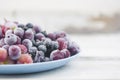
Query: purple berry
x,y
10,39
60,34
66,53
52,36
37,29
62,43
56,54
39,36
73,48
14,52
29,34
19,32
27,43
18,40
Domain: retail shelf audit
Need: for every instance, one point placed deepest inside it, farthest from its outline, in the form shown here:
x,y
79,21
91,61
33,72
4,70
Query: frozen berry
x,y
73,48
39,36
66,53
37,29
14,52
56,54
10,39
19,32
60,34
25,59
27,43
32,50
55,45
44,33
18,40
39,57
21,26
47,42
9,32
23,48
52,36
3,54
62,43
29,25
29,34
42,48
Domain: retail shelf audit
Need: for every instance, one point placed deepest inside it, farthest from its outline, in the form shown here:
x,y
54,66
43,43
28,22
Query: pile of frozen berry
x,y
28,43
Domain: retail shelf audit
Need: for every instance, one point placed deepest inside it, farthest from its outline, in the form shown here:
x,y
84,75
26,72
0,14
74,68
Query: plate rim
x,y
47,62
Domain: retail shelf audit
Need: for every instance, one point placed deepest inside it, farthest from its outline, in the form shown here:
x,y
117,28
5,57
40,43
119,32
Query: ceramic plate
x,y
35,67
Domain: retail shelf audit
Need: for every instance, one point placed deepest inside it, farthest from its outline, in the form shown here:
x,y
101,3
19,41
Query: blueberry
x,y
29,25
21,26
42,48
32,51
39,57
44,33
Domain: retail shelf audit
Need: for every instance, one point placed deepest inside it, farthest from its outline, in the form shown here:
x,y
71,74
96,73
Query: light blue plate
x,y
35,67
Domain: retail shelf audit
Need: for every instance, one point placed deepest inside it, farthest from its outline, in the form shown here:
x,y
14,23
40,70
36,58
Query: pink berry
x,y
3,54
25,59
62,43
66,53
56,54
23,48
